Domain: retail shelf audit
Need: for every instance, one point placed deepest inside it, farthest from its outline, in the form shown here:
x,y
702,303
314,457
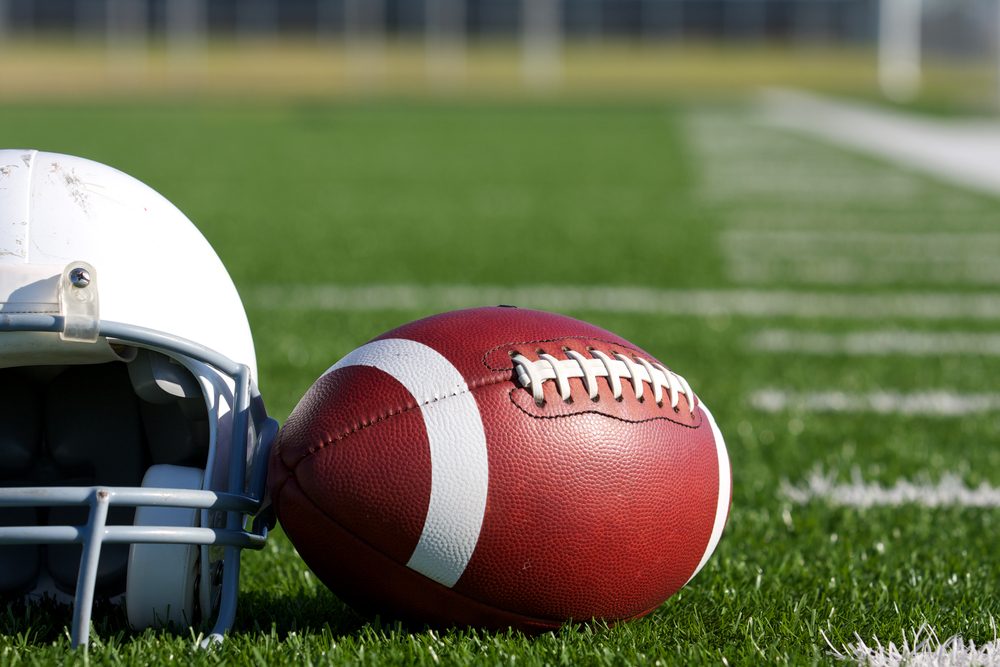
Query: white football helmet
x,y
133,439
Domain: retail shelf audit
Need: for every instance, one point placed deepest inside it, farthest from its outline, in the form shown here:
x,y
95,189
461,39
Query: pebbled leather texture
x,y
594,509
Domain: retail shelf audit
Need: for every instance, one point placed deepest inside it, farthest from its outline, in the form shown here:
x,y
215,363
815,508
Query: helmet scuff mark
x,y
75,185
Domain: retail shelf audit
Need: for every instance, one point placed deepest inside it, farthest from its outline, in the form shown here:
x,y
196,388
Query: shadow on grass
x,y
262,612
279,616
323,614
45,621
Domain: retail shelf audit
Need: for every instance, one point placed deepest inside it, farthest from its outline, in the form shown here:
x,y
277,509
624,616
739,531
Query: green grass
x,y
560,193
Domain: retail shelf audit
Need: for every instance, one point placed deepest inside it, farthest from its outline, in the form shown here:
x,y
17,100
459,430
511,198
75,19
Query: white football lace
x,y
533,374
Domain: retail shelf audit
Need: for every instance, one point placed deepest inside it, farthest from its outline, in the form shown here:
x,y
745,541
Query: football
x,y
501,467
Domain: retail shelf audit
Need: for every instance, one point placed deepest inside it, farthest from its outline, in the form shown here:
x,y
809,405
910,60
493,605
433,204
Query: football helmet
x,y
133,438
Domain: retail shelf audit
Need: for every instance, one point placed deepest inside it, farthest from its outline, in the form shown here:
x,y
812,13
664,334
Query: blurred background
x,y
793,203
331,145
945,50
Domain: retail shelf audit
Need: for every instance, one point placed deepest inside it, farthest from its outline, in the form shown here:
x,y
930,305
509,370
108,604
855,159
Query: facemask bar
x,y
237,502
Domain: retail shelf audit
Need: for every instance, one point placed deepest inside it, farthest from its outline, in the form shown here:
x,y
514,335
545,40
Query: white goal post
x,y
899,48
900,44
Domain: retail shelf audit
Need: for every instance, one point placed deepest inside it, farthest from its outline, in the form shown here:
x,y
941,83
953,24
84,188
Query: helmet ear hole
x,y
172,406
173,436
158,379
160,586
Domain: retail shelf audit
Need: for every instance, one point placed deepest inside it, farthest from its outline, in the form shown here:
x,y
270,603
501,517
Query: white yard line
x,y
929,403
862,257
797,212
921,649
842,269
963,215
949,491
638,300
916,245
880,342
785,185
961,152
742,159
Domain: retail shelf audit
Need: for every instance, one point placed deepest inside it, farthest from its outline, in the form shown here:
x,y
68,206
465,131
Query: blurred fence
x,y
837,20
955,27
834,20
904,33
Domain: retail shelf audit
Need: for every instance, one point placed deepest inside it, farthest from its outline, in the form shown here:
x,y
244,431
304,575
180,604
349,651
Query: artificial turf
x,y
558,193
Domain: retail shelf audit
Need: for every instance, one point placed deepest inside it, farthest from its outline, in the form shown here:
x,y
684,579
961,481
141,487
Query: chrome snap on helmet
x,y
133,439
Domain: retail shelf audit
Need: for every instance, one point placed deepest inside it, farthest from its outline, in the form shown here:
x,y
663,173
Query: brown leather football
x,y
501,467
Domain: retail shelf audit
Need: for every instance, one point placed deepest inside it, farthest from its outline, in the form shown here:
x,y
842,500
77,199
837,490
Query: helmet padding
x,y
84,425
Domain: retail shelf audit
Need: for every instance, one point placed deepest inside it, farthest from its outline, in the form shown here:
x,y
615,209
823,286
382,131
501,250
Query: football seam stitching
x,y
470,387
631,348
413,405
693,427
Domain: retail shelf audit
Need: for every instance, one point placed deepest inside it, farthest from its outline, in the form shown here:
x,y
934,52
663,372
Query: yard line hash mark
x,y
921,649
768,172
857,258
882,342
949,491
941,403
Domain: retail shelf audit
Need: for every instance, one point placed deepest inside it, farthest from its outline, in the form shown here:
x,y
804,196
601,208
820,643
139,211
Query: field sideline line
x,y
631,299
949,491
882,342
928,403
